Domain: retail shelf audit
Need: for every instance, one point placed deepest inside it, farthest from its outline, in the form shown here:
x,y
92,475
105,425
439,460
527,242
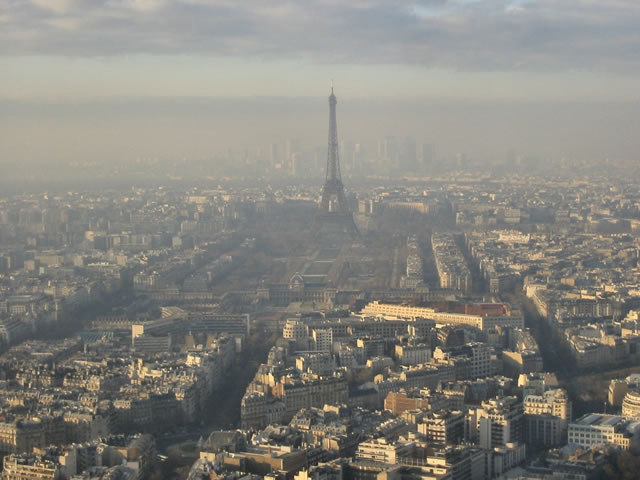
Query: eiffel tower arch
x,y
333,218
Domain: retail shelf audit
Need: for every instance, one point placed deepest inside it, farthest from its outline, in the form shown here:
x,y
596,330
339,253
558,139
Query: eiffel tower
x,y
333,219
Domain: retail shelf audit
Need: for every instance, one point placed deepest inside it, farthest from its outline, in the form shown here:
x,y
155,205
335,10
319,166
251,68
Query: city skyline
x,y
199,280
197,129
122,80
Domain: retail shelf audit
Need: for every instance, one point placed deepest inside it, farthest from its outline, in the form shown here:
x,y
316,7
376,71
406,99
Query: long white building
x,y
482,321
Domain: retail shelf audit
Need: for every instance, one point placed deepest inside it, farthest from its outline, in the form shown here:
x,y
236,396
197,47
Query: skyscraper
x,y
274,157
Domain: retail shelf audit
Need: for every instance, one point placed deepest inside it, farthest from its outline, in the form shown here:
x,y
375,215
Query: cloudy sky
x,y
69,51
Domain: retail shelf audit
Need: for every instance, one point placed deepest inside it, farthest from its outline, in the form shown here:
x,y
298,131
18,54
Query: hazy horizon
x,y
120,80
197,127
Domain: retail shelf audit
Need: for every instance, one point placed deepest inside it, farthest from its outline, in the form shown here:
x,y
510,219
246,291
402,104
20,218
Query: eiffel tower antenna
x,y
333,216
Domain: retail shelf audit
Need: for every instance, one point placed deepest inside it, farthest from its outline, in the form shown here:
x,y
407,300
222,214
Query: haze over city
x,y
319,240
122,80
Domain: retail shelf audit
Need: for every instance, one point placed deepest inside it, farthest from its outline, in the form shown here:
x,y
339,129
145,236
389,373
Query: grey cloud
x,y
530,35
